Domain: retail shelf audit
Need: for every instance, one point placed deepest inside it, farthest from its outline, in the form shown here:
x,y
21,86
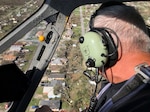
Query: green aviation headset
x,y
97,45
98,48
94,49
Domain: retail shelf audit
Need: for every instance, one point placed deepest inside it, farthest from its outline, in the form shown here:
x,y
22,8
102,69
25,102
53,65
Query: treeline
x,y
13,2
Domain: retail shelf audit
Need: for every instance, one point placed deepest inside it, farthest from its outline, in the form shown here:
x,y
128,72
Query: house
x,y
56,82
9,56
16,47
51,95
49,88
57,64
58,61
57,76
55,105
54,68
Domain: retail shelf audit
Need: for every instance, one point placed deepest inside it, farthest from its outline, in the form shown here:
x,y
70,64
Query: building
x,y
9,56
48,88
16,47
55,105
58,61
57,76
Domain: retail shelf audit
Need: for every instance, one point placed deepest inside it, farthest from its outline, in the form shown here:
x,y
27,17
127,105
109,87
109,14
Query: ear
x,y
93,49
98,48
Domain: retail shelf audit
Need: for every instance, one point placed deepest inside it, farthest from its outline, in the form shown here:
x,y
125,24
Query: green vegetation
x,y
79,92
36,98
29,56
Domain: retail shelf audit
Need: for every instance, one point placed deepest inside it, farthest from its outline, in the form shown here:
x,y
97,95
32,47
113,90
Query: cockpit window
x,y
13,12
143,8
76,89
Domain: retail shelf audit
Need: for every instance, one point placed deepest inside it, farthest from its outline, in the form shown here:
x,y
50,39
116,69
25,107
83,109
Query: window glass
x,y
12,13
143,8
76,93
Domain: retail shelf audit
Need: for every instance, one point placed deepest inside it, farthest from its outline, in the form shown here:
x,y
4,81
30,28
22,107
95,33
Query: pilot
x,y
125,43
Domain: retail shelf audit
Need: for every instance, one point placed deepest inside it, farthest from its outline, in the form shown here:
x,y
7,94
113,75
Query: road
x,y
82,22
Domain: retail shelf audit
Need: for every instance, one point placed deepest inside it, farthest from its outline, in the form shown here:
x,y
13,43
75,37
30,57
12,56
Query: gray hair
x,y
128,25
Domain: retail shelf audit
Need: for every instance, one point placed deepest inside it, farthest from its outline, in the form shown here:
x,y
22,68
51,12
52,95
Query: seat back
x,y
134,96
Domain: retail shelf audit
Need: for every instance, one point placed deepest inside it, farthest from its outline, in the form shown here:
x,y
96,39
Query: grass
x,y
35,100
79,89
29,56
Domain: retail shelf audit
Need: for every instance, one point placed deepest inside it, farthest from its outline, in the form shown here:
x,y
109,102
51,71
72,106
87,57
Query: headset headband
x,y
104,5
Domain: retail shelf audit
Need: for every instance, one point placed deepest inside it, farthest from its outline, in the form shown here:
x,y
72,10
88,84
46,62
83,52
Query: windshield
x,y
12,13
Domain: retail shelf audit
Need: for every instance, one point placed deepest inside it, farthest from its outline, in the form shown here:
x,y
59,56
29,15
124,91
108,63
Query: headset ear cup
x,y
98,49
112,49
97,12
92,20
93,49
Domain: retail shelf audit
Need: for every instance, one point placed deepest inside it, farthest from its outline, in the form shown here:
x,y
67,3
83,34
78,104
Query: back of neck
x,y
124,68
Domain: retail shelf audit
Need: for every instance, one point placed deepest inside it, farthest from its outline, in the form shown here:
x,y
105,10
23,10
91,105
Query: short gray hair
x,y
128,25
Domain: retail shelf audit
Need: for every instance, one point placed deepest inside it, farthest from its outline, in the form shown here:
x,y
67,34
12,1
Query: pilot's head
x,y
115,29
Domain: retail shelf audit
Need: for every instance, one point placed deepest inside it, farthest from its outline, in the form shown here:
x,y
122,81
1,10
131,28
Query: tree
x,y
57,89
